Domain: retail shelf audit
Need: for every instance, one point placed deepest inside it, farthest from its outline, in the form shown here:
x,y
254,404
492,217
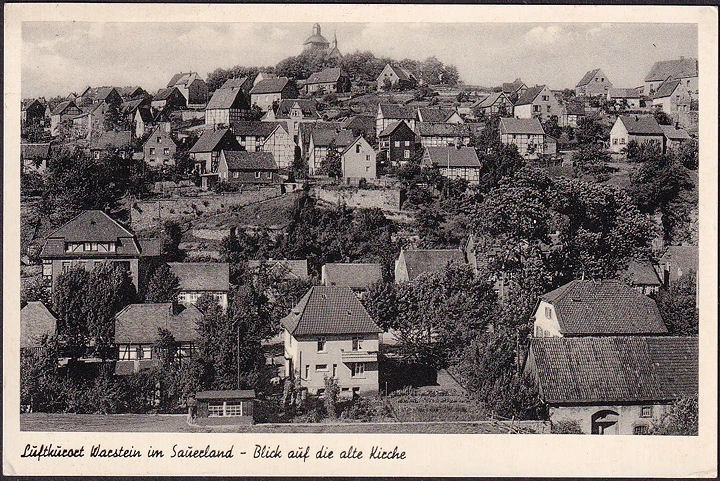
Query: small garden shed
x,y
223,407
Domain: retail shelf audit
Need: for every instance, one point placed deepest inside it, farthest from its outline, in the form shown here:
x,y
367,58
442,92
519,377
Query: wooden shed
x,y
223,407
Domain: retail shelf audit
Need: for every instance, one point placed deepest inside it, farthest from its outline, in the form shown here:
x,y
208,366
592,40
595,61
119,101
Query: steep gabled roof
x,y
587,78
673,133
139,323
678,68
183,78
36,320
164,94
235,83
402,73
253,128
270,86
684,258
328,75
307,106
529,95
210,141
225,99
512,87
641,125
62,107
642,273
387,131
202,276
352,275
364,123
243,160
666,89
434,114
453,157
607,307
421,261
396,111
324,137
91,226
329,310
606,370
509,125
490,100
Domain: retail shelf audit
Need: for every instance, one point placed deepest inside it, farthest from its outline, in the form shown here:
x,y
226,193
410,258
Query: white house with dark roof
x,y
242,167
413,262
330,334
593,84
390,113
439,115
454,162
271,90
136,332
200,278
242,83
624,97
684,69
63,111
251,134
191,86
495,103
613,384
358,160
527,135
225,106
90,238
320,142
395,76
596,308
328,80
638,128
281,145
205,153
537,102
440,134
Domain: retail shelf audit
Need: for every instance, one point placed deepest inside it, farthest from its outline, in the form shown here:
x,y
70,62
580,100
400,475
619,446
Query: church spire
x,y
335,39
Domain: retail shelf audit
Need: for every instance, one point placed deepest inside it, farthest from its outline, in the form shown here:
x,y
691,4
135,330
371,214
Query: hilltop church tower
x,y
316,42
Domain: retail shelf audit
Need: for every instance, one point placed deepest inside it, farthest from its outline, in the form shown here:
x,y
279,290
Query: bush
x,y
330,399
360,409
568,426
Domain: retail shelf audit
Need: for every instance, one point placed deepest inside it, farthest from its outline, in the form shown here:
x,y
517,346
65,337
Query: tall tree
x,y
69,302
331,165
163,285
678,306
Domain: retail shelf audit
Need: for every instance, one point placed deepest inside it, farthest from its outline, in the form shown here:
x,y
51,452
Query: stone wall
x,y
151,214
385,199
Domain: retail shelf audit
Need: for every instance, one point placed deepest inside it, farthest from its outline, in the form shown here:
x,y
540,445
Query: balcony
x,y
358,356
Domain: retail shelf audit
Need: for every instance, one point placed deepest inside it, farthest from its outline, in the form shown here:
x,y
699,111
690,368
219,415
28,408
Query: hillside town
x,y
344,238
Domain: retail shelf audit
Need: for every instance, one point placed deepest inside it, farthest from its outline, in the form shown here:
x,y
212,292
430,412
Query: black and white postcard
x,y
360,240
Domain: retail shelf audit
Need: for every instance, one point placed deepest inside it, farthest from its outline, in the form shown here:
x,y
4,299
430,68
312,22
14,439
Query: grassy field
x,y
178,424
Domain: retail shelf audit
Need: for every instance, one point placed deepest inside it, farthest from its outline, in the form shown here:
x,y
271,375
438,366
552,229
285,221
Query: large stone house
x,y
202,278
527,135
136,332
413,262
673,97
596,308
683,69
328,80
267,92
454,162
537,102
391,113
613,385
398,140
330,334
593,84
191,86
90,238
226,106
393,76
159,148
638,128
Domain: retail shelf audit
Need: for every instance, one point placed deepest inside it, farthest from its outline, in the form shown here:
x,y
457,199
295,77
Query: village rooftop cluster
x,y
209,163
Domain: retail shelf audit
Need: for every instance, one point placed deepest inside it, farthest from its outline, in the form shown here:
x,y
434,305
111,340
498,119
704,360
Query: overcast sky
x,y
61,57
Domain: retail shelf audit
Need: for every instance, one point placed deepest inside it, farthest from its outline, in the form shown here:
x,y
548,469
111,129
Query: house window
x,y
307,371
219,409
47,268
646,412
546,98
236,175
367,168
407,143
622,140
548,312
356,344
358,369
615,141
65,267
152,151
159,140
640,430
321,367
320,392
397,143
357,148
321,344
257,175
166,151
406,154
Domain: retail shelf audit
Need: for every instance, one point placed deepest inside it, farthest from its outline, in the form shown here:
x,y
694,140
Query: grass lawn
x,y
174,424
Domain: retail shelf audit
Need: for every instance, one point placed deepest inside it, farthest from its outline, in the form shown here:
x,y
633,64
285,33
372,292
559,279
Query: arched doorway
x,y
604,422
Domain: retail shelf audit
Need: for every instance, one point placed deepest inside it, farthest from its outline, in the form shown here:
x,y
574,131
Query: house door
x,y
605,422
